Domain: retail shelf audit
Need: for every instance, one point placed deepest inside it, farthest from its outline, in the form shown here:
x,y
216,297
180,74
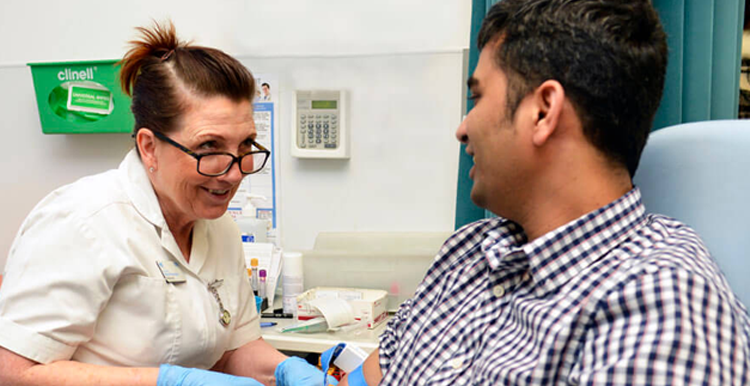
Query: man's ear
x,y
146,142
548,100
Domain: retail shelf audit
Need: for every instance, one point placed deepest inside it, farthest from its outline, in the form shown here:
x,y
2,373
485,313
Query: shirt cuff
x,y
31,344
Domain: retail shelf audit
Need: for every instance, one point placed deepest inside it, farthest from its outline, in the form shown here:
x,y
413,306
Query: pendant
x,y
225,318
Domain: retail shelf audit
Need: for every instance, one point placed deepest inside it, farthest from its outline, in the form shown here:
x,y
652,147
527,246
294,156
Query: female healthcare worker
x,y
121,272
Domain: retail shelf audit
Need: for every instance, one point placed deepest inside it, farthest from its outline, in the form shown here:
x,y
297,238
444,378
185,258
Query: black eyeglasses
x,y
218,163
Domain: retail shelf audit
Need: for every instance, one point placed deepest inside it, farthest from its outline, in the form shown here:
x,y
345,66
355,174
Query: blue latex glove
x,y
296,371
170,375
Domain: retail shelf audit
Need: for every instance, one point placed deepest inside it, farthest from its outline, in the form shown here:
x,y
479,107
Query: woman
x,y
117,273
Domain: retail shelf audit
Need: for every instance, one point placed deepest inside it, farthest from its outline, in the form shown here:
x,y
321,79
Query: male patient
x,y
574,283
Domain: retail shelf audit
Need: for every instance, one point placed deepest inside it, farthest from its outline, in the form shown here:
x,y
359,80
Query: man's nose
x,y
461,134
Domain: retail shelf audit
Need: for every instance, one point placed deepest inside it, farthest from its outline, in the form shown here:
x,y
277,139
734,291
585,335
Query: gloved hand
x,y
296,371
170,375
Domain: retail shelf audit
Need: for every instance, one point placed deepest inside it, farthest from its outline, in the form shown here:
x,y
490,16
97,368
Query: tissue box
x,y
368,305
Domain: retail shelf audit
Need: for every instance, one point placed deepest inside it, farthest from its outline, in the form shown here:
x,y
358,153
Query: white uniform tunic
x,y
82,281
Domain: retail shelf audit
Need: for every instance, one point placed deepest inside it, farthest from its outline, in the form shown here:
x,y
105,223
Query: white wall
x,y
400,60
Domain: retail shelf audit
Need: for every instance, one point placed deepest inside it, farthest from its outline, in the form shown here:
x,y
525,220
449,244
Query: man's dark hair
x,y
610,56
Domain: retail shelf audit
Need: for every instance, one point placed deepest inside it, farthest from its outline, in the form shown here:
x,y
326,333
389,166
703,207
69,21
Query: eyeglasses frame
x,y
235,159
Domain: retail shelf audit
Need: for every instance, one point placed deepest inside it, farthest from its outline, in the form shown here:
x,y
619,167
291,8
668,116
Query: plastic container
x,y
262,283
254,274
292,280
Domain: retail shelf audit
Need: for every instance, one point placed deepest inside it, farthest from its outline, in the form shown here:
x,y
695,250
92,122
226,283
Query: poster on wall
x,y
260,189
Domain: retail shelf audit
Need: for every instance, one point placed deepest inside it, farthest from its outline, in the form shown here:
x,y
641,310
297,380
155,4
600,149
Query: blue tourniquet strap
x,y
327,357
357,377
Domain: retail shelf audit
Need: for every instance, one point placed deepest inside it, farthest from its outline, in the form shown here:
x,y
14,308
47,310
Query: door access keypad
x,y
318,130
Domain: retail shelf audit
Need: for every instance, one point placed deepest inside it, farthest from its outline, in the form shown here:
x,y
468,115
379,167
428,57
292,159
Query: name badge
x,y
171,272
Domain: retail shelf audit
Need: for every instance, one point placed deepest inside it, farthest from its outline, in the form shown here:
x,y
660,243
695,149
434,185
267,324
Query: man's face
x,y
493,139
265,89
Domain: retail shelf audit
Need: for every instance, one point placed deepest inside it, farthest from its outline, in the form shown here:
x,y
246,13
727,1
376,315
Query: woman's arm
x,y
19,371
256,359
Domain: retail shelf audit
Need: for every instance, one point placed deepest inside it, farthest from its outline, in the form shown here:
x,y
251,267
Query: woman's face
x,y
212,124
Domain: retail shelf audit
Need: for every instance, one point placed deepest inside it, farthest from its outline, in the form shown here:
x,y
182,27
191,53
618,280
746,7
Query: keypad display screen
x,y
324,104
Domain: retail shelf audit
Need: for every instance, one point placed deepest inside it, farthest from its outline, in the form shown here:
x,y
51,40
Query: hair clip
x,y
167,55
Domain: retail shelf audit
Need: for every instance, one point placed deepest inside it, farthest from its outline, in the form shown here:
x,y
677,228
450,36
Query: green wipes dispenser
x,y
81,97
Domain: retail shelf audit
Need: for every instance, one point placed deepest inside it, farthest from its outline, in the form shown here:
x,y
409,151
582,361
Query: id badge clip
x,y
172,272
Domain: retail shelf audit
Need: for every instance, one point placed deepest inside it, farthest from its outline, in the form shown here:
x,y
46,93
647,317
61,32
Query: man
x,y
574,283
266,91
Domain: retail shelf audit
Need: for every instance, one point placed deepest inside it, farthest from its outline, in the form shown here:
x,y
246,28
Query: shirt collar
x,y
563,253
138,188
141,193
502,246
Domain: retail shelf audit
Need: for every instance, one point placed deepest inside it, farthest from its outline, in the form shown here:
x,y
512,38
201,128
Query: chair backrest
x,y
699,173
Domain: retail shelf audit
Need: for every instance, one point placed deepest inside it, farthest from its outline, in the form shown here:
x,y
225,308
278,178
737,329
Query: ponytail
x,y
163,75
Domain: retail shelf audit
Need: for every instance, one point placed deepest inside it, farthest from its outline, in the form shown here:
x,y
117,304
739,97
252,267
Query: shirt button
x,y
457,363
498,290
526,276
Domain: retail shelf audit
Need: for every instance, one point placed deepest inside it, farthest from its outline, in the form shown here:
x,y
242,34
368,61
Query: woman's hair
x,y
162,73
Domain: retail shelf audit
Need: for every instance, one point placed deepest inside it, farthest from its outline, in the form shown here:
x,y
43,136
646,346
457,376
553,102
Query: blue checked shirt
x,y
616,297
